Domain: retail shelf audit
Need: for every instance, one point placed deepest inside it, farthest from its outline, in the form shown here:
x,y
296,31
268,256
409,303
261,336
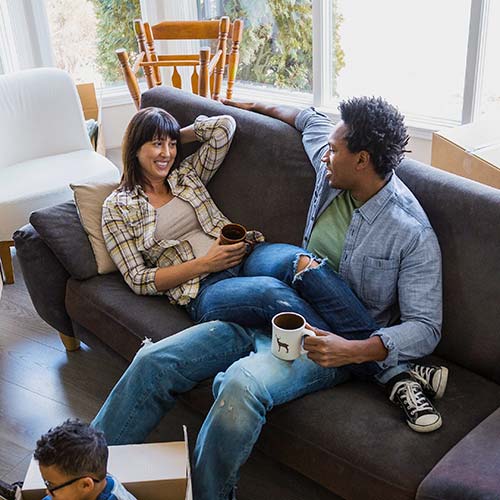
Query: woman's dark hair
x,y
375,126
75,448
148,124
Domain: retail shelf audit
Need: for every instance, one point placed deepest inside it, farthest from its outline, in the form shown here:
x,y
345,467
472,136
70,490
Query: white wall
x,y
420,149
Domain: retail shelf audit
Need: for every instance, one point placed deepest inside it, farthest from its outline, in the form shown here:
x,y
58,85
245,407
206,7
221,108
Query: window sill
x,y
418,126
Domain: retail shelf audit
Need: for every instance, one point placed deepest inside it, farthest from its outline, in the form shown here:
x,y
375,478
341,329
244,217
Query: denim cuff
x,y
392,352
302,117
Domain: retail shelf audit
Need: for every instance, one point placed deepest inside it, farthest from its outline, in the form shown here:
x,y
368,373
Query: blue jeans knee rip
x,y
299,275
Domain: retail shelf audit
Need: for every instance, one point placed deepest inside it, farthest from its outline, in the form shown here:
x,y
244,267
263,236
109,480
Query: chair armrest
x,y
470,470
45,278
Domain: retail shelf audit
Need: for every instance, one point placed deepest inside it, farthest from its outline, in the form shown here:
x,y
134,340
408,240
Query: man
x,y
372,230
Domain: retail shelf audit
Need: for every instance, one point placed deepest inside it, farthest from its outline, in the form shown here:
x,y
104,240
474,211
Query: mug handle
x,y
307,333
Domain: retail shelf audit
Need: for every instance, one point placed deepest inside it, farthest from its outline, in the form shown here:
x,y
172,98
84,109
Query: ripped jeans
x,y
249,382
266,284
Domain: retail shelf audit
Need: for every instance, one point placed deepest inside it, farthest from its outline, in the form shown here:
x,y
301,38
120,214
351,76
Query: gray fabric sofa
x,y
350,441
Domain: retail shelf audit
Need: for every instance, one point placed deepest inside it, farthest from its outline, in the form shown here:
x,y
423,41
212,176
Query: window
x,y
412,53
6,46
85,34
278,35
490,95
436,60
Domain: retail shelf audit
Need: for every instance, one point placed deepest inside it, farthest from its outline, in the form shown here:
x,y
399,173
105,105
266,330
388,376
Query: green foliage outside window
x,y
277,42
115,30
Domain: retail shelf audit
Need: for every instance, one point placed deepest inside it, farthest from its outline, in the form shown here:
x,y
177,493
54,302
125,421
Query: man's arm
x,y
420,304
284,113
330,350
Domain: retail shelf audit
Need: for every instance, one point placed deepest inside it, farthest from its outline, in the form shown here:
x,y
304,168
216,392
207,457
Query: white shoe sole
x,y
442,383
426,428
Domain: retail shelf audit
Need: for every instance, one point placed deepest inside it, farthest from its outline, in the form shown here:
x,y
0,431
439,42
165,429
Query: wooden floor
x,y
40,384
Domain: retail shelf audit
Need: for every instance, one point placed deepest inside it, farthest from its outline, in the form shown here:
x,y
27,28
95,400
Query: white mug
x,y
289,330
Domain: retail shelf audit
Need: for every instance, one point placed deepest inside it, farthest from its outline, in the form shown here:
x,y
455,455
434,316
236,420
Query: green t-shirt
x,y
328,234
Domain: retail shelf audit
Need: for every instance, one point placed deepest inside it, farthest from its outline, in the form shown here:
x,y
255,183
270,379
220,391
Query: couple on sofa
x,y
368,281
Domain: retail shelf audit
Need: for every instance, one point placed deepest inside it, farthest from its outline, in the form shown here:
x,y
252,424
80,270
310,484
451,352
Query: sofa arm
x,y
42,273
471,469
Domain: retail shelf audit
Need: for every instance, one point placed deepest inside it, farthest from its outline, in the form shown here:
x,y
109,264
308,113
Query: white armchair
x,y
43,147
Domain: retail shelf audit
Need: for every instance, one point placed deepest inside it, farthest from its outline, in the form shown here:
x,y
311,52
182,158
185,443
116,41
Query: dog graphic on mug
x,y
282,344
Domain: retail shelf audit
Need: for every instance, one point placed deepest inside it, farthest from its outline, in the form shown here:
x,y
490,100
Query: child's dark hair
x,y
75,448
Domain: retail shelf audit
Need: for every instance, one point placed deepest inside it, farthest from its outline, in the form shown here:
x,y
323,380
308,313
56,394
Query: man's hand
x,y
330,350
327,349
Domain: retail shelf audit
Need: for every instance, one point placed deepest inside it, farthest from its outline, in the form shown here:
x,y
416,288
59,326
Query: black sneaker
x,y
8,491
420,415
433,379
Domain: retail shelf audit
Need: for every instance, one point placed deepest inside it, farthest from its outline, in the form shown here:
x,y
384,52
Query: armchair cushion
x,y
43,182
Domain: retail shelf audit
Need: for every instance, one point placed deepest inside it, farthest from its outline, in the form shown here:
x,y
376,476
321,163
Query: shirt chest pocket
x,y
379,279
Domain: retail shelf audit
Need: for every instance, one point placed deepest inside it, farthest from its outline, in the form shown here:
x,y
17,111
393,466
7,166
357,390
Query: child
x,y
73,458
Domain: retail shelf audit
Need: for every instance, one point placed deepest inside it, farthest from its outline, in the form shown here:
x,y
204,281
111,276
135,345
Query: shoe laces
x,y
411,395
423,374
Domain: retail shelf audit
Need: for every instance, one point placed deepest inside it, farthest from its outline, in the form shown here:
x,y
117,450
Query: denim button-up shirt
x,y
391,257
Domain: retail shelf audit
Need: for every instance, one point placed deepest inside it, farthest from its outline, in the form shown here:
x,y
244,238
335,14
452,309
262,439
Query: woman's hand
x,y
220,257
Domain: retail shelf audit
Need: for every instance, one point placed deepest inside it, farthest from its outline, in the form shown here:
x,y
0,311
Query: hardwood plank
x,y
41,384
79,379
18,472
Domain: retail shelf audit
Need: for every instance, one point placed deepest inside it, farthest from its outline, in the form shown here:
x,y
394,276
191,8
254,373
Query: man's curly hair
x,y
375,126
75,448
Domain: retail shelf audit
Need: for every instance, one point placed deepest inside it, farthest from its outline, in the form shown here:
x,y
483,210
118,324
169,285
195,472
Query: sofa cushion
x,y
62,232
121,319
465,216
471,469
89,199
353,441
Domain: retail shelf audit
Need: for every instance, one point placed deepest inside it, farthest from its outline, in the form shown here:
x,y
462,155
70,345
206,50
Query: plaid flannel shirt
x,y
129,221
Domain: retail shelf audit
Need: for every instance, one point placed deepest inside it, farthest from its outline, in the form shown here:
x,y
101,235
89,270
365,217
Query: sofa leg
x,y
70,343
6,260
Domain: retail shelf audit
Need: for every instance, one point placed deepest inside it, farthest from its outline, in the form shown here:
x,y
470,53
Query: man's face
x,y
81,489
339,161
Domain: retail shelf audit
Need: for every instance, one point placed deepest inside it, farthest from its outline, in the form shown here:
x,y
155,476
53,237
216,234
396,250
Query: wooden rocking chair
x,y
208,69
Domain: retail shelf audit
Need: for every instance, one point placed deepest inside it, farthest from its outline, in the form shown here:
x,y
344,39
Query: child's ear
x,y
86,484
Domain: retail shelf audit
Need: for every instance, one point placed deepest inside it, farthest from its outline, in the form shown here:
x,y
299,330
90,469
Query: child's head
x,y
73,458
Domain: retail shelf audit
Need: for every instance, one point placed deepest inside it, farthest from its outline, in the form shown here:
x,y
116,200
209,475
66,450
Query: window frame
x,y
31,46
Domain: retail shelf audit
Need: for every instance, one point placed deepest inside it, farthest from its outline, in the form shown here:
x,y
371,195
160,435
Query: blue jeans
x,y
249,382
266,284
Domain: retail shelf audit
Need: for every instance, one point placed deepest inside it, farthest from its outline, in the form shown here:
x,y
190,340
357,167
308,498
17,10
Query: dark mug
x,y
232,233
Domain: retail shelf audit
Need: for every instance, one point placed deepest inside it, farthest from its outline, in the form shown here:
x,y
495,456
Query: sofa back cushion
x,y
266,180
466,218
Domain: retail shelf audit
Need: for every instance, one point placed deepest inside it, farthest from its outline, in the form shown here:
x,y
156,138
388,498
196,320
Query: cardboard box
x,y
472,151
152,471
91,110
87,94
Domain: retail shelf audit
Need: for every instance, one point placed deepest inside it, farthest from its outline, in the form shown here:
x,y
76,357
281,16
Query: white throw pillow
x,y
89,199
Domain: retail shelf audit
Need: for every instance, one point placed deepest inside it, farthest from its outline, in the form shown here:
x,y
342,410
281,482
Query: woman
x,y
162,229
